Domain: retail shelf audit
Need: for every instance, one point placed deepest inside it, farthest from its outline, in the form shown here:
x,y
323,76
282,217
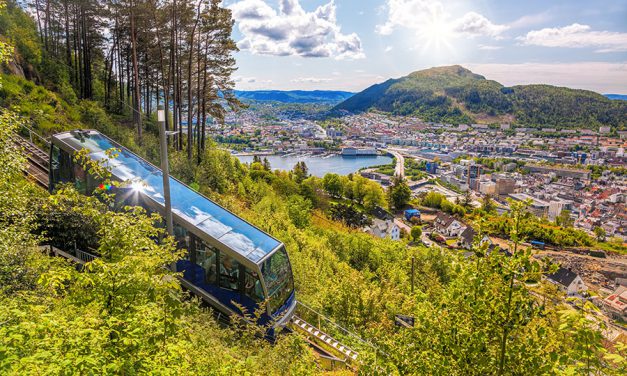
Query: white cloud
x,y
409,14
420,15
601,77
487,47
250,82
576,36
291,31
473,24
311,80
389,48
244,79
530,20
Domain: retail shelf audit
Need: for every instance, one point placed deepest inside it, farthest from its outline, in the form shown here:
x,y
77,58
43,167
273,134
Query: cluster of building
x,y
551,190
544,165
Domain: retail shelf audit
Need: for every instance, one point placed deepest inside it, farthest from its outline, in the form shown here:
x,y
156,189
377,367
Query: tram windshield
x,y
277,274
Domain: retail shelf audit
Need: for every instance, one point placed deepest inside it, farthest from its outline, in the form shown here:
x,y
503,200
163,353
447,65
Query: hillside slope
x,y
455,94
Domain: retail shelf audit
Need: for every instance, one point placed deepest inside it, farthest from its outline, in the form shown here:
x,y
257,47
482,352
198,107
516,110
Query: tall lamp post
x,y
165,168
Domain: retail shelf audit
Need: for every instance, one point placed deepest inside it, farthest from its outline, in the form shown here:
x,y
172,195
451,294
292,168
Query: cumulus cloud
x,y
292,31
421,14
409,14
576,36
474,24
311,80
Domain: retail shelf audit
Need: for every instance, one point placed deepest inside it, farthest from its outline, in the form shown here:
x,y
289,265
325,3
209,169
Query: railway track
x,y
37,166
331,352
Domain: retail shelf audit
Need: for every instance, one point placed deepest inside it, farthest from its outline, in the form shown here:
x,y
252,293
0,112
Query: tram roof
x,y
201,212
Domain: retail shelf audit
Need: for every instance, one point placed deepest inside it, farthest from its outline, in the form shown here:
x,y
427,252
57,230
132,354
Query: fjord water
x,y
320,165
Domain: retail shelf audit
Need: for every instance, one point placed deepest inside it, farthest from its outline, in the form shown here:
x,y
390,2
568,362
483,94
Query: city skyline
x,y
350,45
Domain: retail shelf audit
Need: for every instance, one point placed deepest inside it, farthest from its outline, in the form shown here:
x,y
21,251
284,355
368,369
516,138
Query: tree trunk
x,y
136,91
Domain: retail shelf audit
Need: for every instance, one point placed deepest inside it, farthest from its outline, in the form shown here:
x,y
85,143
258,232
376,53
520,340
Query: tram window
x,y
252,286
229,272
80,178
181,236
61,166
206,258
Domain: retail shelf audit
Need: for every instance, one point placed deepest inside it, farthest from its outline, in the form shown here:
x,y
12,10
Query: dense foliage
x,y
456,95
126,314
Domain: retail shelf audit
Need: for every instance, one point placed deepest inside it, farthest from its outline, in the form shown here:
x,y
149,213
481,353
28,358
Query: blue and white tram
x,y
228,259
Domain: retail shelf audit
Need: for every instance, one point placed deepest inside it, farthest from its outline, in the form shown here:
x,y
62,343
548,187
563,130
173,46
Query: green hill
x,y
454,94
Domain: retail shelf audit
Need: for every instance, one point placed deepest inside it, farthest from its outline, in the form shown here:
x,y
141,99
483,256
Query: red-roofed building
x,y
616,304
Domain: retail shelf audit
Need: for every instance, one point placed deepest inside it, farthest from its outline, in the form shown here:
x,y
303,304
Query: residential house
x,y
466,238
384,229
568,281
380,213
448,225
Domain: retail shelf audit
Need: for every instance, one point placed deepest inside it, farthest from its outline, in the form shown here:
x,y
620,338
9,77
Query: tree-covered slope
x,y
455,94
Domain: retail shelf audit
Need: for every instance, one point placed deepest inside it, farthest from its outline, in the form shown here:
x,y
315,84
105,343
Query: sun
x,y
436,33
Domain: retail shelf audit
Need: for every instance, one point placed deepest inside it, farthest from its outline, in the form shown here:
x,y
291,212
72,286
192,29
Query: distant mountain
x,y
295,96
619,97
455,94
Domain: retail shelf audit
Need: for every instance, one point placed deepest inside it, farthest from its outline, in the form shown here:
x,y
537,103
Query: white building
x,y
448,225
487,188
568,281
384,228
555,208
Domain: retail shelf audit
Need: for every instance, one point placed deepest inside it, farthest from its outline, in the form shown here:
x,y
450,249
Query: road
x,y
399,170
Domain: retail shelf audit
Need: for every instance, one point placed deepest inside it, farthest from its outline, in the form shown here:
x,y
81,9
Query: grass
x,y
451,242
613,246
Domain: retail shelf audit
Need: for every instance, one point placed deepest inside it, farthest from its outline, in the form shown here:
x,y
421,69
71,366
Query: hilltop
x,y
455,94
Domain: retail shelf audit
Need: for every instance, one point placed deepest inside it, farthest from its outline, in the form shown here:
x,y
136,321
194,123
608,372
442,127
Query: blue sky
x,y
352,44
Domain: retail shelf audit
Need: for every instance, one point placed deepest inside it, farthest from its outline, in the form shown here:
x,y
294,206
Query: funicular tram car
x,y
228,259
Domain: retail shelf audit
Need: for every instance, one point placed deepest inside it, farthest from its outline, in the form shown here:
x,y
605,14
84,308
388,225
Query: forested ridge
x,y
126,314
456,95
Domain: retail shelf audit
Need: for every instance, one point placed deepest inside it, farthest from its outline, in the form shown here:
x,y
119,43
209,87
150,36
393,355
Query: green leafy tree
x,y
266,164
332,184
488,205
348,214
599,232
398,193
416,233
299,210
310,189
466,202
433,199
300,171
564,219
373,197
585,352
